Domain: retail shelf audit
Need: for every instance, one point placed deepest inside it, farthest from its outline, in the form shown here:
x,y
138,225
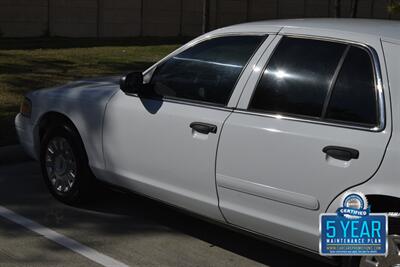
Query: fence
x,y
128,18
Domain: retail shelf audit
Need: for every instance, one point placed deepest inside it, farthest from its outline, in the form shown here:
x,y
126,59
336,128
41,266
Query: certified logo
x,y
355,205
353,230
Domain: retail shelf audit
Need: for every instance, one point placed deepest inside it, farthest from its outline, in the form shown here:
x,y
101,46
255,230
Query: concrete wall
x,y
73,18
120,18
23,17
125,18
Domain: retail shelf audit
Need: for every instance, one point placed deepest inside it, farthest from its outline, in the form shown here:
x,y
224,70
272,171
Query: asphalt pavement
x,y
127,228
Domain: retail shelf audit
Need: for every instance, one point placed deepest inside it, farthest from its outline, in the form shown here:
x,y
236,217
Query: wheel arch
x,y
52,118
383,203
380,203
386,203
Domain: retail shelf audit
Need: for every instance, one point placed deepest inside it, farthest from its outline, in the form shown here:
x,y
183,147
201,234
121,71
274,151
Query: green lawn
x,y
32,64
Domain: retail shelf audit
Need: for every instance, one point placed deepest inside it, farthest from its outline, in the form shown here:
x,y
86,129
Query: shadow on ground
x,y
126,216
237,242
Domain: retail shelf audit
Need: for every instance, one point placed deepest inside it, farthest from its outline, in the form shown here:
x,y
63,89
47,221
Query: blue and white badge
x,y
353,230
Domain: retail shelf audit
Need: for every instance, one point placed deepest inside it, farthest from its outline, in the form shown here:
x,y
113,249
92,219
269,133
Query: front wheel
x,y
64,165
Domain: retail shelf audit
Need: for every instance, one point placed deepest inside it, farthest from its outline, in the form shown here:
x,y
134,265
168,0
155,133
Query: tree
x,y
206,16
354,7
394,7
338,7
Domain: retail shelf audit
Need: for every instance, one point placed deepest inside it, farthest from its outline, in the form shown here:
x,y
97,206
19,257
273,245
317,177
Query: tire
x,y
64,164
394,233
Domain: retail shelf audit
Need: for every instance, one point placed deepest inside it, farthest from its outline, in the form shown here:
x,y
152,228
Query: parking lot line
x,y
60,239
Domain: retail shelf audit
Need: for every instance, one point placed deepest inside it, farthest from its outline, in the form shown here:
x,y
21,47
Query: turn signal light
x,y
26,107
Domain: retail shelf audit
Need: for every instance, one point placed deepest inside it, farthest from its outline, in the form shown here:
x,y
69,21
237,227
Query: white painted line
x,y
60,239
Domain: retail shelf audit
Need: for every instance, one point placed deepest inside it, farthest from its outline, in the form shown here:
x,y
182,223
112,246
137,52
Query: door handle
x,y
341,153
204,128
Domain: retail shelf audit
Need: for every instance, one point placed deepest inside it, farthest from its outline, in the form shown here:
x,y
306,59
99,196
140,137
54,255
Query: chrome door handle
x,y
341,153
204,128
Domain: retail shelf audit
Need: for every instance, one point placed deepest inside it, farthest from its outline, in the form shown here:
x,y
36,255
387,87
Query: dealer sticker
x,y
353,230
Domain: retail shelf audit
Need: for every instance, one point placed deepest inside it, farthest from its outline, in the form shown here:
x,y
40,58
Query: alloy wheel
x,y
60,165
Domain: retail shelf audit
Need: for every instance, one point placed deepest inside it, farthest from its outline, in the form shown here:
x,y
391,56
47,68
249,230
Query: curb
x,y
13,154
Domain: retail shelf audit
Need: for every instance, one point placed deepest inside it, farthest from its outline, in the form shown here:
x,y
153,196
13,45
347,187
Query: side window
x,y
297,78
354,97
206,72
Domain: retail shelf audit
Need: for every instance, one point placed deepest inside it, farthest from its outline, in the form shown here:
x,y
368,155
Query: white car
x,y
260,126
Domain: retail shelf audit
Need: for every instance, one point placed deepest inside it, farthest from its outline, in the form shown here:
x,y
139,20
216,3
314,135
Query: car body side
x,y
85,103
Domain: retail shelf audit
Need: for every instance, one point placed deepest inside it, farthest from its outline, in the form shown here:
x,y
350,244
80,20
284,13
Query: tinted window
x,y
297,77
206,72
353,97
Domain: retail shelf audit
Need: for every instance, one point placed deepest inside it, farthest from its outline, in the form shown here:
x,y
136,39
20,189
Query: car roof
x,y
382,28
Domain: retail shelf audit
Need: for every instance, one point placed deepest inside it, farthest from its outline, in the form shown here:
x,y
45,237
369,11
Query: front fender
x,y
84,104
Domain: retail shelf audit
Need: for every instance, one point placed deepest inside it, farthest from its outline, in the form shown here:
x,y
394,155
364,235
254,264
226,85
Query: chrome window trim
x,y
187,103
378,87
198,104
299,119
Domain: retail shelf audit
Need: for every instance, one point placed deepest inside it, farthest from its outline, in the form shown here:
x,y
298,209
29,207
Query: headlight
x,y
26,107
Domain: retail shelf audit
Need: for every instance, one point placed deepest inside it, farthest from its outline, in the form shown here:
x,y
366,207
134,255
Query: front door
x,y
164,143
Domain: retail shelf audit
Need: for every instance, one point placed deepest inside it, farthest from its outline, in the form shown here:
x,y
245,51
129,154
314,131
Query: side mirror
x,y
132,83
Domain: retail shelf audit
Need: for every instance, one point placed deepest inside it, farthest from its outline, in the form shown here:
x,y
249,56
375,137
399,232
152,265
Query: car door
x,y
310,125
163,143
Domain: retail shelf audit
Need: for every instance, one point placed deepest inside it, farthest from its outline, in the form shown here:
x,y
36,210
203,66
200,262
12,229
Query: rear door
x,y
310,124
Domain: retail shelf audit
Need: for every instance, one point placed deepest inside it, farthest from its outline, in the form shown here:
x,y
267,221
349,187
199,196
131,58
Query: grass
x,y
32,64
